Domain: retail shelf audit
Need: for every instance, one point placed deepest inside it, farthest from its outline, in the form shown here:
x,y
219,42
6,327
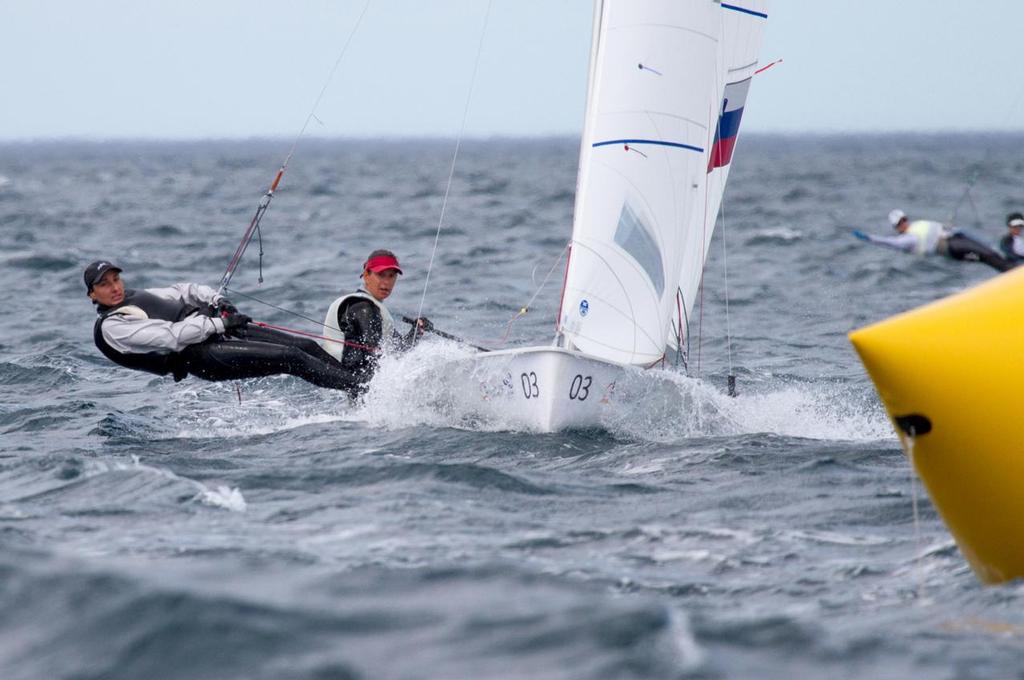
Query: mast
x,y
595,42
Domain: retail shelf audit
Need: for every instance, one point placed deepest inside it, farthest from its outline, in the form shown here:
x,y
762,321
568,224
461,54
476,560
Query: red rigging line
x,y
296,331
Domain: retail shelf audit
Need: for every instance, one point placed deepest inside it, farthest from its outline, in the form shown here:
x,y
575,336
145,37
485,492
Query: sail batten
x,y
657,142
746,10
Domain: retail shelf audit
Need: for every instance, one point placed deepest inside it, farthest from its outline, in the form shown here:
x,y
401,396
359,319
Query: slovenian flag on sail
x,y
728,123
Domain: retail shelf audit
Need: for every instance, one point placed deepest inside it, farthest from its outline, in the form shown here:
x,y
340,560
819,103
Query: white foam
x,y
413,389
836,538
692,407
812,411
213,410
223,496
780,233
687,652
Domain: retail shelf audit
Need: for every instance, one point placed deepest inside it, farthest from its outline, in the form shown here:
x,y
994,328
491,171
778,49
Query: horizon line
x,y
426,137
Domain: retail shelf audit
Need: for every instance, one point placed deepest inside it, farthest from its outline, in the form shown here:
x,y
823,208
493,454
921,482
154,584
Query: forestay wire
x,y
731,379
264,204
526,308
979,168
455,156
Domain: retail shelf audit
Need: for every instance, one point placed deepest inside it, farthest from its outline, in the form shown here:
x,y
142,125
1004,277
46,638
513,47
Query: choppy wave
x,y
267,529
556,629
94,486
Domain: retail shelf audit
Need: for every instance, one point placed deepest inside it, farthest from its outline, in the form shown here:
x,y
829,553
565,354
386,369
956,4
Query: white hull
x,y
542,389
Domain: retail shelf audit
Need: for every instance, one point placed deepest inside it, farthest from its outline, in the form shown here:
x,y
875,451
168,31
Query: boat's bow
x,y
540,389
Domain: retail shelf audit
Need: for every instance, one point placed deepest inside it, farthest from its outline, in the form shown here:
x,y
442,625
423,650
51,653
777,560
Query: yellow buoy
x,y
951,374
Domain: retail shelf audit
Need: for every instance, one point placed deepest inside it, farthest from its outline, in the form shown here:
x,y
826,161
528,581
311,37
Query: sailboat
x,y
667,88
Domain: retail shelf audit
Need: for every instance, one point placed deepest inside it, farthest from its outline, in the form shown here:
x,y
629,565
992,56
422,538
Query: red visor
x,y
382,262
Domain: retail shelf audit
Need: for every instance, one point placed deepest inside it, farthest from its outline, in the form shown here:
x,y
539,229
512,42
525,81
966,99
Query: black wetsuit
x,y
257,352
960,246
360,320
251,352
1006,245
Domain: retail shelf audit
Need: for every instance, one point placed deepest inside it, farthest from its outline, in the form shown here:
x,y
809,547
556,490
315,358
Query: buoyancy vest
x,y
927,233
146,305
336,345
1012,247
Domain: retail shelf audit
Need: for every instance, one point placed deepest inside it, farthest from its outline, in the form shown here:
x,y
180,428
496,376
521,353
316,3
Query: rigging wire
x,y
455,156
976,172
264,204
324,324
731,378
682,355
716,118
526,308
296,331
292,312
307,334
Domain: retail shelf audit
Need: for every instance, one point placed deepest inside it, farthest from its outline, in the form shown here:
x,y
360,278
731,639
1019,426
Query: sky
x,y
191,69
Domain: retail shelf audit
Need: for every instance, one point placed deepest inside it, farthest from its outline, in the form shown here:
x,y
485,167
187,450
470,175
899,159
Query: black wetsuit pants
x,y
260,352
962,247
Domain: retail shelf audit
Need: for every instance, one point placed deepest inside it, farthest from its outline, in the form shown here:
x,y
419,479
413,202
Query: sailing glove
x,y
233,323
225,308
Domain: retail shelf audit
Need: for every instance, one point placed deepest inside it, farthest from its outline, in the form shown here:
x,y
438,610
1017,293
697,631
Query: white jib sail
x,y
656,86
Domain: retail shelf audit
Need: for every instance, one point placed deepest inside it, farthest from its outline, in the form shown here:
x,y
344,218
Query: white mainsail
x,y
641,224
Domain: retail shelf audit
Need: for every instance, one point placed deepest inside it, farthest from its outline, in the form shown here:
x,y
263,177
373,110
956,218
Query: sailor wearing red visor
x,y
360,326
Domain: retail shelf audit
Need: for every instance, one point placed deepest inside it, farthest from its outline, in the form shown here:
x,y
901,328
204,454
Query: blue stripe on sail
x,y
737,8
656,142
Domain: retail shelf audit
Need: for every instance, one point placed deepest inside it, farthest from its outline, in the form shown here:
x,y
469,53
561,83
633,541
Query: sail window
x,y
635,238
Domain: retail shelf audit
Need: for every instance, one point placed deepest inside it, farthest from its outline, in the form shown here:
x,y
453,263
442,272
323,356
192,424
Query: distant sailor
x,y
1012,244
187,329
360,326
925,237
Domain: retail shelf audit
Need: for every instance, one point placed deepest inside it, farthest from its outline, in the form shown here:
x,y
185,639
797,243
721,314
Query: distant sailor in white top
x,y
926,237
1012,244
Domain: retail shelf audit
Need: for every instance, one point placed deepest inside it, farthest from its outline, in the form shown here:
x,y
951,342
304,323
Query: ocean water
x,y
269,529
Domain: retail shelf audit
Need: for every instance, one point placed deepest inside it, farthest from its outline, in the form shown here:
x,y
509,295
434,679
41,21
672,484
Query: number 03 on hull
x,y
543,389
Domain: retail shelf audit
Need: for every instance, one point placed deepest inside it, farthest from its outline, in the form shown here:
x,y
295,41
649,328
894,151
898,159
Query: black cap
x,y
95,271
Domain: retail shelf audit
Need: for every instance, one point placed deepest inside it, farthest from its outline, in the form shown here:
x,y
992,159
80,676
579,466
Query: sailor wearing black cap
x,y
927,237
188,329
1012,244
